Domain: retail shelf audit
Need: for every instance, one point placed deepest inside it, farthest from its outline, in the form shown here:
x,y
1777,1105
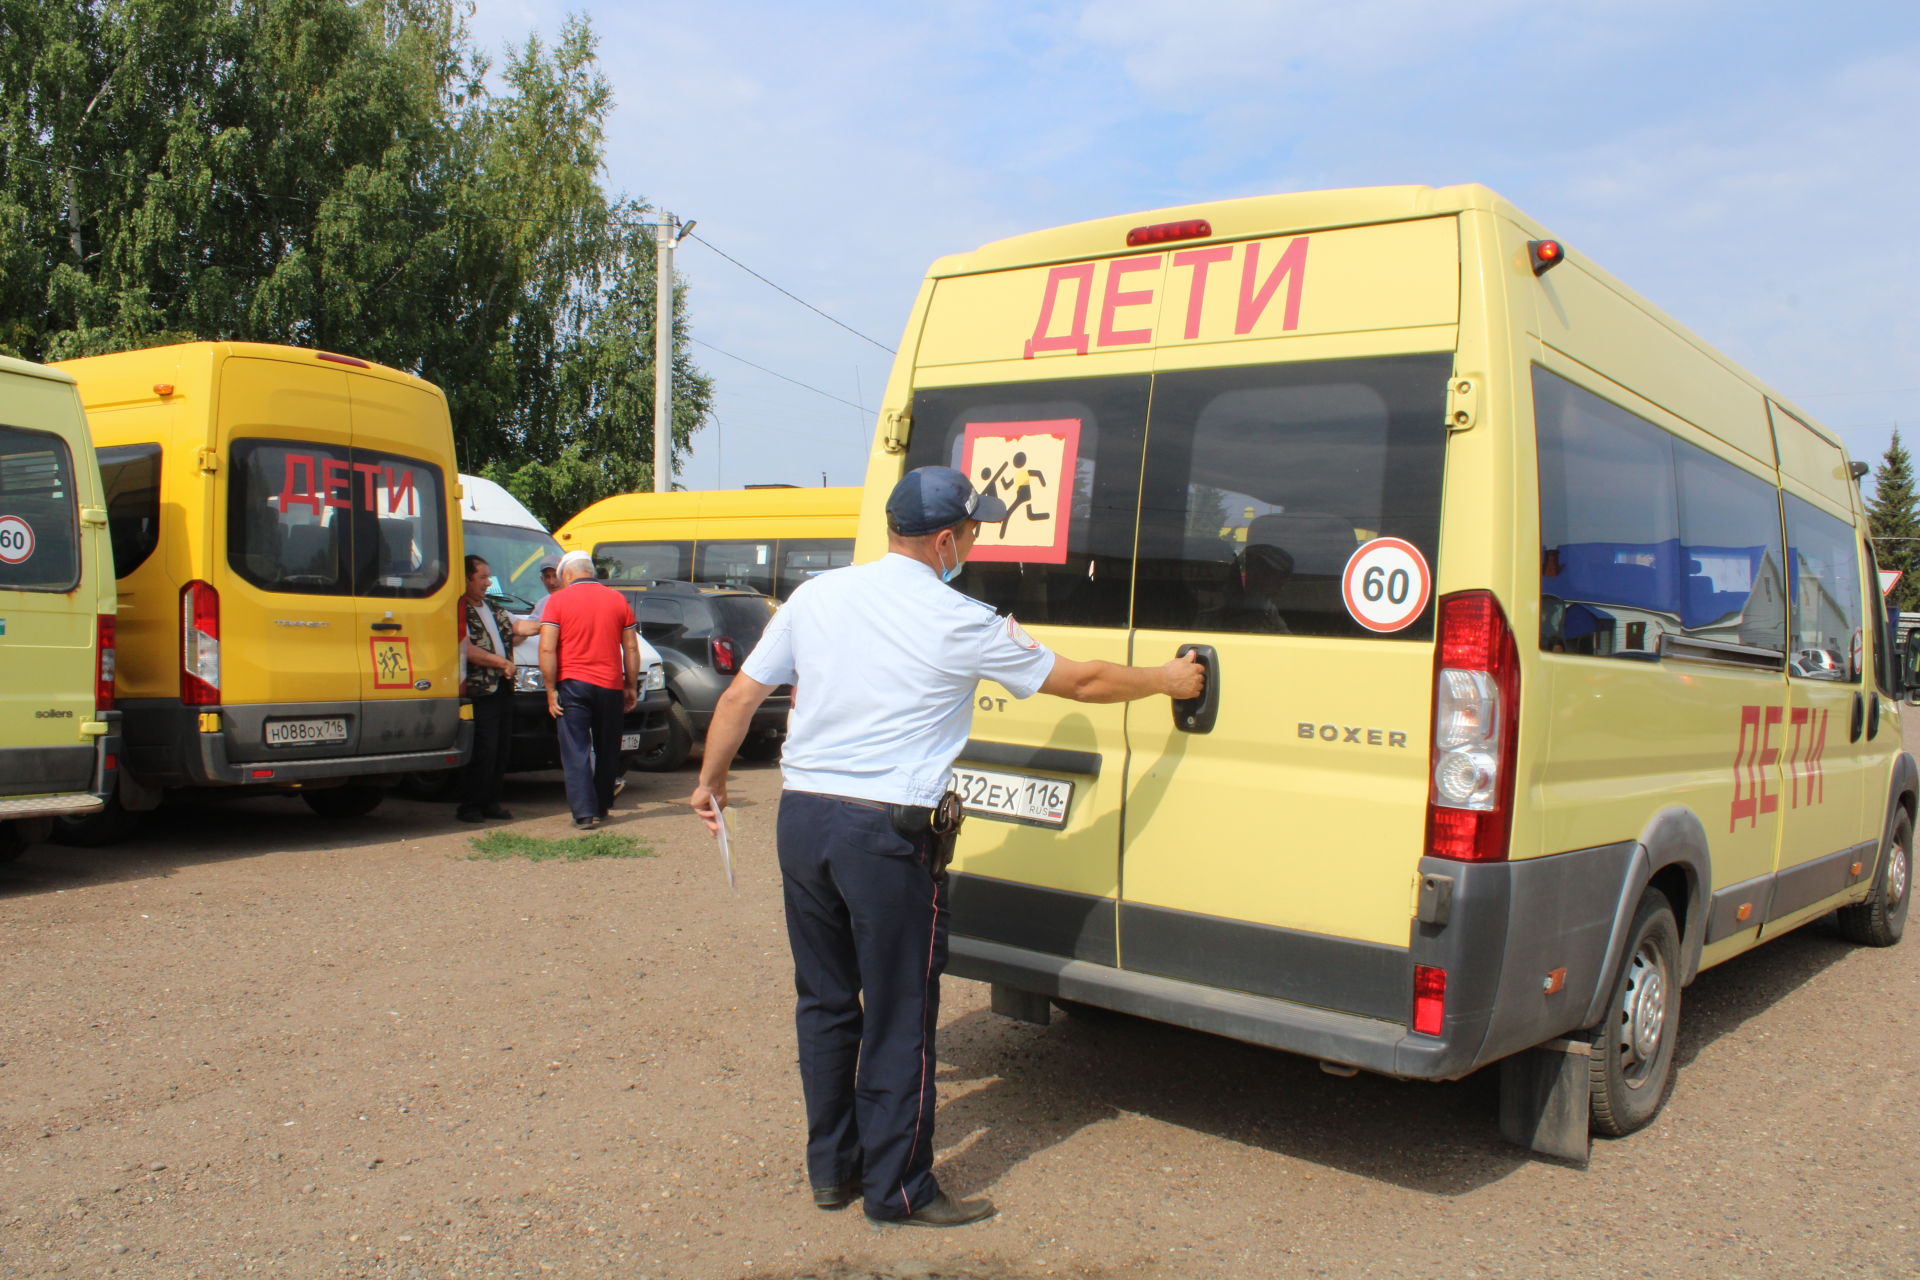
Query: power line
x,y
796,297
783,377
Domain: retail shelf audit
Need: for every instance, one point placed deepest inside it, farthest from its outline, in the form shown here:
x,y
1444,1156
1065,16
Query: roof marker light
x,y
1162,232
1545,255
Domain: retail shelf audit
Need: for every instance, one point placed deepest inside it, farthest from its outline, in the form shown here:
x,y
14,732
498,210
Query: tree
x,y
339,175
1894,518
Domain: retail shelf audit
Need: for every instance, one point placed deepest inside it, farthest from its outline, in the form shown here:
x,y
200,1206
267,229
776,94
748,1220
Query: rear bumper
x,y
166,747
70,781
1502,929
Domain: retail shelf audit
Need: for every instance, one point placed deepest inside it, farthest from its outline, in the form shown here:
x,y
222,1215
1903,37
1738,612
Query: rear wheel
x,y
1882,918
355,800
1631,1071
761,747
13,841
110,825
672,753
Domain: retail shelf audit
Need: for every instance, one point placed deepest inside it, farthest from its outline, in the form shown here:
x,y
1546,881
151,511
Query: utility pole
x,y
667,233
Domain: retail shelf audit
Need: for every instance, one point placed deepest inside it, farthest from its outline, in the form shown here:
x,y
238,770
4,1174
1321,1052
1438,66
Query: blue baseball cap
x,y
929,499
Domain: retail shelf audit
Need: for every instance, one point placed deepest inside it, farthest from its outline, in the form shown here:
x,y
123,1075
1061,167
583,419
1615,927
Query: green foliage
x,y
340,175
497,846
1894,518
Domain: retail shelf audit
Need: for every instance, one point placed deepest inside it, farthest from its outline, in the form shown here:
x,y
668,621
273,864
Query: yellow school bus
x,y
1546,667
59,739
768,537
280,530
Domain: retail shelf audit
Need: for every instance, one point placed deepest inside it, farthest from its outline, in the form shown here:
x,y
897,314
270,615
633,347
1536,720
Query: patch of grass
x,y
496,846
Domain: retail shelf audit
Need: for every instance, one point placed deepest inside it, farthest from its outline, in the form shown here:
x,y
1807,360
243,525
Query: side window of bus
x,y
1886,666
1064,555
1260,483
1825,622
1734,585
643,561
39,513
804,558
319,520
737,564
131,476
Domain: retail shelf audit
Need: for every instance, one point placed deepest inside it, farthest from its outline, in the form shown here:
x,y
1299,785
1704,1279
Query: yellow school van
x,y
58,729
280,529
1546,667
767,537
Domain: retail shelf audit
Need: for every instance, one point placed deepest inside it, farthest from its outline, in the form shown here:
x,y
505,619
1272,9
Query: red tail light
x,y
105,665
1162,232
1429,999
725,657
1476,708
199,645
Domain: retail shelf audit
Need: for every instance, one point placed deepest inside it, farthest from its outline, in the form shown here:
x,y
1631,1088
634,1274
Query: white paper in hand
x,y
724,836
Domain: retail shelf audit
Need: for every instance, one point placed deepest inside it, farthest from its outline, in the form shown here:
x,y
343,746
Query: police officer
x,y
885,660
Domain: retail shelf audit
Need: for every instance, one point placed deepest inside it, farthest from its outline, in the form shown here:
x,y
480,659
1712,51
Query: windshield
x,y
515,556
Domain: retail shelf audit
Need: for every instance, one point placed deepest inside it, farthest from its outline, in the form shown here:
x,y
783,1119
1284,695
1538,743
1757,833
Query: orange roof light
x,y
1545,255
163,389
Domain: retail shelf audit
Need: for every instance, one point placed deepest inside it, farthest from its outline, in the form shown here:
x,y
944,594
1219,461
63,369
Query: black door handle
x,y
1873,716
388,626
1859,717
1196,715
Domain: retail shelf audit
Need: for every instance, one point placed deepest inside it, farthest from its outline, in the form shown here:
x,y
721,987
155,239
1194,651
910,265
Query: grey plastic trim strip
x,y
33,771
1720,653
1799,887
1723,918
1012,756
1079,926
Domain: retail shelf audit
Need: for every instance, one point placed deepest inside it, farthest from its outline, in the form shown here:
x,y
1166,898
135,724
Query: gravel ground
x,y
255,1042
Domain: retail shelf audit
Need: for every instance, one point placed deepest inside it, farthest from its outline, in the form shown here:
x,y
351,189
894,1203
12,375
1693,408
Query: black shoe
x,y
497,813
837,1197
585,824
469,815
942,1211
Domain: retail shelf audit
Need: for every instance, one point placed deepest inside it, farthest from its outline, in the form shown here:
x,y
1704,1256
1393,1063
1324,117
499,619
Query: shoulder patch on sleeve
x,y
1018,634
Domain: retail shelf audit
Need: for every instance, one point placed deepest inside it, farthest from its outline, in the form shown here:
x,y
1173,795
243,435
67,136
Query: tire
x,y
110,825
1630,1073
436,786
1882,918
13,841
672,753
355,800
761,747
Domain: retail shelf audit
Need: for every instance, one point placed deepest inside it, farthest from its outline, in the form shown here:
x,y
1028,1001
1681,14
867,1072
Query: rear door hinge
x,y
209,461
899,428
1463,402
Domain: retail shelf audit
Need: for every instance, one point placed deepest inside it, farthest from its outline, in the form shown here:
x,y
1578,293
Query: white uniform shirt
x,y
884,659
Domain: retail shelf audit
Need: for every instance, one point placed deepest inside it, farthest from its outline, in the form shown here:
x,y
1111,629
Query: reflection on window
x,y
1826,641
131,476
39,530
805,558
644,561
1087,581
323,520
1260,484
737,564
1643,535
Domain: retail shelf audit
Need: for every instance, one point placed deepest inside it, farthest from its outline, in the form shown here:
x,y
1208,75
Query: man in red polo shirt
x,y
590,656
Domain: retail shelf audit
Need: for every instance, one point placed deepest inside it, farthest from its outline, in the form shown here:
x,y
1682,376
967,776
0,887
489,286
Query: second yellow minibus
x,y
1546,667
768,537
280,529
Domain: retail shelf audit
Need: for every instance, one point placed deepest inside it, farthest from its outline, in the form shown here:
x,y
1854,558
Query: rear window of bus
x,y
39,514
130,474
313,519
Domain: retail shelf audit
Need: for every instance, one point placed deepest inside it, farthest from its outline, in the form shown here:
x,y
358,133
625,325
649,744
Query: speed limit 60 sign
x,y
1386,584
16,540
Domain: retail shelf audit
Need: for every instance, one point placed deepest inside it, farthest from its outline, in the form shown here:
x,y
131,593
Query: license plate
x,y
300,733
629,742
1014,797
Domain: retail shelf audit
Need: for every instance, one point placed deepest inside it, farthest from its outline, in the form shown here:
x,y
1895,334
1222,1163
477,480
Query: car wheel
x,y
439,786
13,841
672,753
355,800
762,746
1882,918
109,826
1631,1071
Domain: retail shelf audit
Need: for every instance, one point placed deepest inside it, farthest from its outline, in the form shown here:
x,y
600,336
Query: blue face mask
x,y
948,575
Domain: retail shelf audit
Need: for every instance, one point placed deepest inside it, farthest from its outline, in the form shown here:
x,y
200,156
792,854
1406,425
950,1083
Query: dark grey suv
x,y
704,632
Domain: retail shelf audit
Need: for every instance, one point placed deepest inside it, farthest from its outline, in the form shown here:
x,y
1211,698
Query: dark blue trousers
x,y
589,729
865,919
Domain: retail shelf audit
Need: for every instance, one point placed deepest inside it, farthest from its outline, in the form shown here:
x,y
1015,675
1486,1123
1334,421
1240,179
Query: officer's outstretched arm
x,y
1098,681
731,718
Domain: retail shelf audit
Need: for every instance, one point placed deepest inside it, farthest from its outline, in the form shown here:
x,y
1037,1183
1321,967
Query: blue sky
x,y
1752,168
